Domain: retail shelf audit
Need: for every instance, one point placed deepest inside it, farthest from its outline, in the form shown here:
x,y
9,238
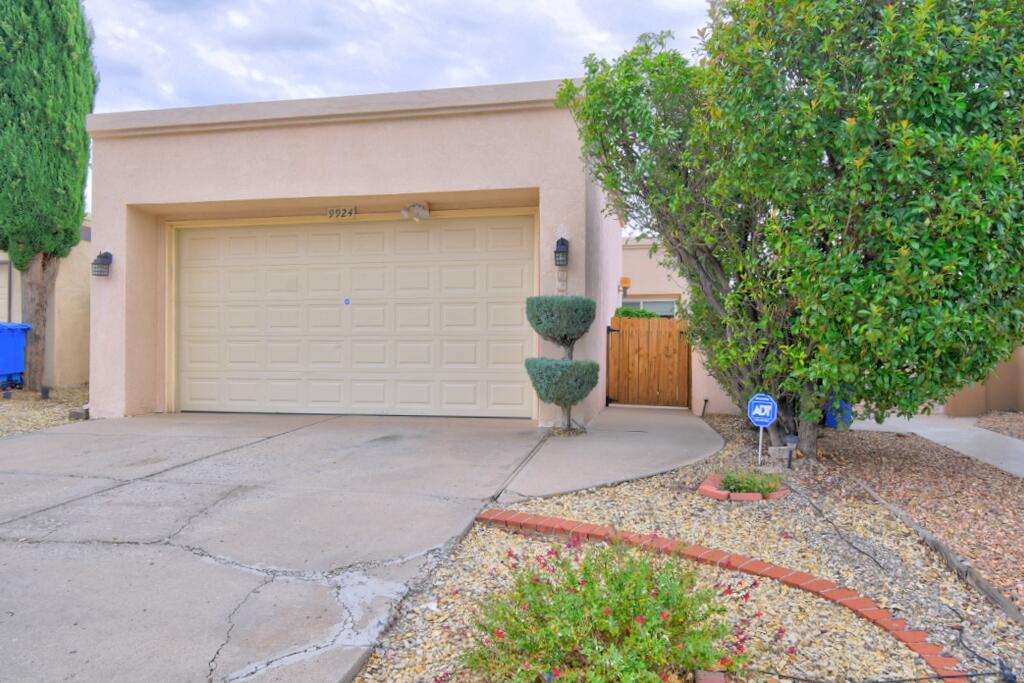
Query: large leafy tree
x,y
841,182
47,87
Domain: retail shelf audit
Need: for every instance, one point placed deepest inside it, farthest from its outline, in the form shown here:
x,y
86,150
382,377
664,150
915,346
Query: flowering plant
x,y
603,614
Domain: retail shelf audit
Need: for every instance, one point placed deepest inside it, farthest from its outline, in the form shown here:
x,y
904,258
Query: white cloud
x,y
164,53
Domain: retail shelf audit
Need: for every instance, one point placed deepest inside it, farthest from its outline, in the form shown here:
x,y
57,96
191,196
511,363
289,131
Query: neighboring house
x,y
367,254
655,288
67,333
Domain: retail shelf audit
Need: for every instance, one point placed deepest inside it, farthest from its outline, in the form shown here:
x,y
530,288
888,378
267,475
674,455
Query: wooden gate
x,y
648,362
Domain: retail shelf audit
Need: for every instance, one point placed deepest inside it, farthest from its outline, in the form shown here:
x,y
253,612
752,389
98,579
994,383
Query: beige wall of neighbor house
x,y
67,328
1003,390
466,152
652,281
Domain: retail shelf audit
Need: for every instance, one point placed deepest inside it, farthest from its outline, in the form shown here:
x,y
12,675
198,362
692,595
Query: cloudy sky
x,y
174,53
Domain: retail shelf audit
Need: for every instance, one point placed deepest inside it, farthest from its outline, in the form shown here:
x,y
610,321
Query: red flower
x,y
790,650
552,551
758,614
746,596
607,611
583,582
526,606
511,553
755,584
727,591
515,565
725,661
664,615
663,676
781,632
499,634
535,579
640,620
555,672
526,666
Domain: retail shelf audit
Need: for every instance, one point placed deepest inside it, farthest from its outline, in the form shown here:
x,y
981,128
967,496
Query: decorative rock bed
x,y
945,667
710,488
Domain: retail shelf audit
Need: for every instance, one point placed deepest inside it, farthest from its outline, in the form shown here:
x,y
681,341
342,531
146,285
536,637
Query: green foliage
x,y
630,312
561,319
841,182
751,481
562,382
47,87
608,616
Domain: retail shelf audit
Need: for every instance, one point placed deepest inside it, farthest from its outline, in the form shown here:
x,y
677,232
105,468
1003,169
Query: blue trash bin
x,y
12,354
838,413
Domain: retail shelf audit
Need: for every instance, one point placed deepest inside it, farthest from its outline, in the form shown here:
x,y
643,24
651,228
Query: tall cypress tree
x,y
47,87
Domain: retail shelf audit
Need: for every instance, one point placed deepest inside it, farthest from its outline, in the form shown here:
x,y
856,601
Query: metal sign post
x,y
762,410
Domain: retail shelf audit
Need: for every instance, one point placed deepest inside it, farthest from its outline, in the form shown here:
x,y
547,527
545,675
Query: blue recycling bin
x,y
12,354
838,413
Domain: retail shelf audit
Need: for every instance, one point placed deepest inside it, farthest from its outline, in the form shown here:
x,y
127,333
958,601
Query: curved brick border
x,y
858,604
709,488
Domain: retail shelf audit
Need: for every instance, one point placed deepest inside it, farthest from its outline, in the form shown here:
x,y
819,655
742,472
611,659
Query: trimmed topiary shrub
x,y
630,312
562,382
561,319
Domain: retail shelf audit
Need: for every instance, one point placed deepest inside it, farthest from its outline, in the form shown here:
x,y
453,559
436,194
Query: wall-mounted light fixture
x,y
562,252
101,264
624,285
420,211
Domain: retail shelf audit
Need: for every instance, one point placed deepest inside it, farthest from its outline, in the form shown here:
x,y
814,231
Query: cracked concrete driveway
x,y
199,547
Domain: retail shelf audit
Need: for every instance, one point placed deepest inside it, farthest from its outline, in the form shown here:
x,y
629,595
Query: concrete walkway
x,y
621,443
198,547
960,434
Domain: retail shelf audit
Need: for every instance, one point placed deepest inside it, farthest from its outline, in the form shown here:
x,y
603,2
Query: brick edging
x,y
863,607
709,488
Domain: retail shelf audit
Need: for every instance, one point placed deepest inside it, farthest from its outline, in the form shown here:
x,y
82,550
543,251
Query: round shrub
x,y
562,382
561,319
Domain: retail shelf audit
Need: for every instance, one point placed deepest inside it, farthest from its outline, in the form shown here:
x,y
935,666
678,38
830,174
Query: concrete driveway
x,y
209,547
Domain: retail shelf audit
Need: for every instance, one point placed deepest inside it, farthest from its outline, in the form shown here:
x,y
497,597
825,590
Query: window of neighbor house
x,y
666,308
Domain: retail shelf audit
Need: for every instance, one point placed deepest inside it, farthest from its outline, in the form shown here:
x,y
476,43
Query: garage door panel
x,y
400,318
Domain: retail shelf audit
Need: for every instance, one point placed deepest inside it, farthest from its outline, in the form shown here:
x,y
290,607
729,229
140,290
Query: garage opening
x,y
375,317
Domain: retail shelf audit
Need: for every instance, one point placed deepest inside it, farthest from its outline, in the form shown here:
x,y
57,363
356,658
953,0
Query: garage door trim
x,y
172,226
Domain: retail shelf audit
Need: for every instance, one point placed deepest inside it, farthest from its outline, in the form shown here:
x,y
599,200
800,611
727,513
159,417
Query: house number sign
x,y
341,212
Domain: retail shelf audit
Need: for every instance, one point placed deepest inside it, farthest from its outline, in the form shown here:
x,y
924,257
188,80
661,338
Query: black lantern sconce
x,y
101,264
562,252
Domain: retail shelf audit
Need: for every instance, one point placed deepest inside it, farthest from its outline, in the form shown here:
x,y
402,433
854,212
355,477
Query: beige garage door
x,y
395,317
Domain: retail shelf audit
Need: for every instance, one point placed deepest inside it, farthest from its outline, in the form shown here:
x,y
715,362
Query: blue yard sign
x,y
762,411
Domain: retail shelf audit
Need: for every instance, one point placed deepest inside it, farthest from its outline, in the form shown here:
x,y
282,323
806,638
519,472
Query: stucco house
x,y
67,330
366,254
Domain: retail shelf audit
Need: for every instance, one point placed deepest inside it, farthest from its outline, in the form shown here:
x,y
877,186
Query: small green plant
x,y
751,481
561,319
601,615
562,382
630,312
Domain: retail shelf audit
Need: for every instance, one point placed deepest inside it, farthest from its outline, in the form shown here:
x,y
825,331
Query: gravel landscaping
x,y
974,508
828,527
1006,423
25,412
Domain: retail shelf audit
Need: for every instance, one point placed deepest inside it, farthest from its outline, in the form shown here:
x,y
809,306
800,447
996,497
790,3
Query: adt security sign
x,y
762,410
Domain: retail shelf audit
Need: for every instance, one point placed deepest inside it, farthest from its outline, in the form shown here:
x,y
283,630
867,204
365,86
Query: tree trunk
x,y
567,418
807,431
37,282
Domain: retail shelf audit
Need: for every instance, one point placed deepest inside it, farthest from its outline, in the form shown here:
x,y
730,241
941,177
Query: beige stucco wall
x,y
479,147
67,328
1003,390
650,279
